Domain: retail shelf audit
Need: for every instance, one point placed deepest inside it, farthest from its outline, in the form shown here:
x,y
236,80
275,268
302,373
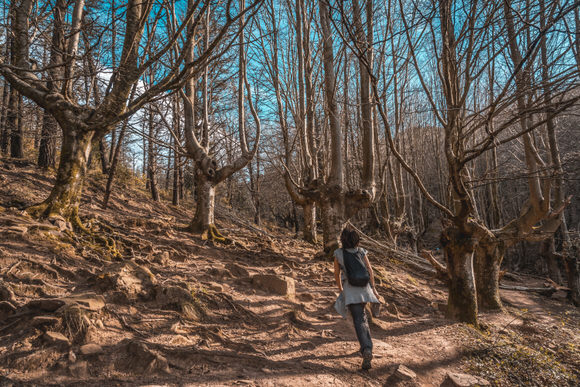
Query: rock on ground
x,y
405,373
277,284
57,339
463,380
90,349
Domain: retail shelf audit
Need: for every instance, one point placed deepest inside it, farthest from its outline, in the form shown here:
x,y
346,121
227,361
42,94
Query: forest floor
x,y
177,310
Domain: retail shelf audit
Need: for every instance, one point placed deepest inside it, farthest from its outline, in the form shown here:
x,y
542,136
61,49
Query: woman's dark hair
x,y
349,239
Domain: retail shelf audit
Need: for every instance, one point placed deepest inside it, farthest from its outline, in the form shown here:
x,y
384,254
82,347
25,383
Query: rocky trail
x,y
138,301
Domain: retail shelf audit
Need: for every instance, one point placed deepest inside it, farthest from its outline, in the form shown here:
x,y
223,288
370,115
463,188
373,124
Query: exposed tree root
x,y
211,233
54,270
239,309
44,211
37,211
109,244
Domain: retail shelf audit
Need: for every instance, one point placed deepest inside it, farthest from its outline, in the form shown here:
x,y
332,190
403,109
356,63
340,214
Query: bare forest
x,y
175,177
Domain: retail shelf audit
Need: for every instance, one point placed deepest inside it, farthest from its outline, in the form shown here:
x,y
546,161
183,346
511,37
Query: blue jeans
x,y
361,326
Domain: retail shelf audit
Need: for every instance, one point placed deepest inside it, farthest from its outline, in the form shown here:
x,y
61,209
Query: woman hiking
x,y
351,262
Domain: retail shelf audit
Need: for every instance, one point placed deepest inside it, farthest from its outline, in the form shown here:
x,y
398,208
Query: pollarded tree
x,y
336,203
292,82
81,123
207,172
538,207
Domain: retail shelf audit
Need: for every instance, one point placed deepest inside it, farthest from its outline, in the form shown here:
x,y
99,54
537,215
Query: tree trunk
x,y
105,165
47,148
488,258
331,224
66,194
3,117
12,118
175,186
151,164
462,303
309,233
204,220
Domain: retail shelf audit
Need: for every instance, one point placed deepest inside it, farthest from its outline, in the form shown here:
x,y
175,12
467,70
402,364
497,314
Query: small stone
x,y
56,338
237,270
217,272
89,301
90,349
277,284
45,320
266,371
99,324
405,373
216,287
60,222
463,380
72,357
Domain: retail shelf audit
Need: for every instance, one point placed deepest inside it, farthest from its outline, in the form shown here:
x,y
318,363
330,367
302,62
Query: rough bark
x,y
3,127
488,258
11,128
204,218
66,194
309,232
151,160
459,248
47,148
332,215
363,41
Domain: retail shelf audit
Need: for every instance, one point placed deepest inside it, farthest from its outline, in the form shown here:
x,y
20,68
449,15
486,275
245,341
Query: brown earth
x,y
177,310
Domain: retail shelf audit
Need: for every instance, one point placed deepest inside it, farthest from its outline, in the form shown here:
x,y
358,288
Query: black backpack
x,y
357,273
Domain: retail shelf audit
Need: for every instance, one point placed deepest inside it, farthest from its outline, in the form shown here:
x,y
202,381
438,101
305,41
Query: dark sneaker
x,y
367,357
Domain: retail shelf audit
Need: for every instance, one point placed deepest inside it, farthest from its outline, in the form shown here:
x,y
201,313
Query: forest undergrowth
x,y
163,306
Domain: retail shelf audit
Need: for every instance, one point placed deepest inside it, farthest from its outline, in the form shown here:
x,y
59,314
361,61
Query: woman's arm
x,y
337,274
371,275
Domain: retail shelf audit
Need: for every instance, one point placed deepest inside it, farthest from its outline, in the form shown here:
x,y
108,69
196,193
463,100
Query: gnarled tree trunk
x,y
65,196
459,248
204,218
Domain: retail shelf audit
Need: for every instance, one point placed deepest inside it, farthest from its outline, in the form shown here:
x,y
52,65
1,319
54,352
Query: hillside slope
x,y
173,309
